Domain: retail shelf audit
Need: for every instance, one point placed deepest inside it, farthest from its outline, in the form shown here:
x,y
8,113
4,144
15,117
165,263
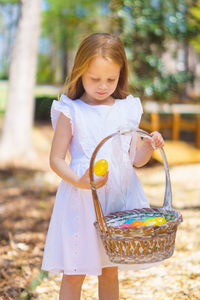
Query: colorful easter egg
x,y
137,223
160,220
129,221
101,167
125,225
150,222
145,219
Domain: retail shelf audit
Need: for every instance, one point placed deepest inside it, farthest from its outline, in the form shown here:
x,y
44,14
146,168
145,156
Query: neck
x,y
108,101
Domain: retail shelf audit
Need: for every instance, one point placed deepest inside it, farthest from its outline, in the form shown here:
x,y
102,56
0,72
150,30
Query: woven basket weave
x,y
136,245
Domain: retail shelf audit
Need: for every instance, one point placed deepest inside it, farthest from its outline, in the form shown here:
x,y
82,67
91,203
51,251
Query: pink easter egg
x,y
125,225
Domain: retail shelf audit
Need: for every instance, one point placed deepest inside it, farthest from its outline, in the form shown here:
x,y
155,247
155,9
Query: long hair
x,y
106,45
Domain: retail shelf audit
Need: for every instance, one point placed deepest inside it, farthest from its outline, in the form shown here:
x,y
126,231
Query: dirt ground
x,y
26,202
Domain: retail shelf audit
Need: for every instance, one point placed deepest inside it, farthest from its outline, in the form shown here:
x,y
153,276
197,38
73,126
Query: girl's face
x,y
100,80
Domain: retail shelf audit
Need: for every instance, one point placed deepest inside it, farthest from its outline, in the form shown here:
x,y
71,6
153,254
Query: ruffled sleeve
x,y
65,105
135,110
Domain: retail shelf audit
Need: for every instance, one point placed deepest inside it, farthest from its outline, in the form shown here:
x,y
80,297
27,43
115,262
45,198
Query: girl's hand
x,y
84,181
156,141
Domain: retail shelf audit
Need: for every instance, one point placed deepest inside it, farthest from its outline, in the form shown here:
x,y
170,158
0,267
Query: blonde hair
x,y
107,46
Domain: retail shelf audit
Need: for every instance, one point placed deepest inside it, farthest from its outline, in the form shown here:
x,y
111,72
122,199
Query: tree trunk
x,y
64,64
184,94
55,64
17,126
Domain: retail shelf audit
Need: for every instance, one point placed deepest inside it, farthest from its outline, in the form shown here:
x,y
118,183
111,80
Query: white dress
x,y
72,244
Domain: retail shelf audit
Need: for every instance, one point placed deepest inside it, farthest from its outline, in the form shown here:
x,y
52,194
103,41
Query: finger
x,y
159,144
156,135
157,138
101,181
148,140
101,185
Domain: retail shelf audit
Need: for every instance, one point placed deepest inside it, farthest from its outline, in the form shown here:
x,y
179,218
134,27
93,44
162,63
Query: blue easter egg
x,y
129,221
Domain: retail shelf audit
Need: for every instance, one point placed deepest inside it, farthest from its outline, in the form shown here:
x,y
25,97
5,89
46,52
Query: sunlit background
x,y
38,41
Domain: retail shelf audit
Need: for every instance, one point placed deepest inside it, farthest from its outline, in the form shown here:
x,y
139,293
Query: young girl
x,y
94,103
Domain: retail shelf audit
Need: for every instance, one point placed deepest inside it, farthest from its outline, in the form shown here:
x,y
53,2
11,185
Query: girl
x,y
94,103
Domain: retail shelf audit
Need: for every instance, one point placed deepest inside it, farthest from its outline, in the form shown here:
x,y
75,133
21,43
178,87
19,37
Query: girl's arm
x,y
60,145
144,148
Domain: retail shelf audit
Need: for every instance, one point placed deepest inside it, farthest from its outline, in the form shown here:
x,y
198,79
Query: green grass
x,y
3,95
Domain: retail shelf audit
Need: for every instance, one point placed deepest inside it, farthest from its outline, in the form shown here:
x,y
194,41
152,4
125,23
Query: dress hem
x,y
60,271
121,267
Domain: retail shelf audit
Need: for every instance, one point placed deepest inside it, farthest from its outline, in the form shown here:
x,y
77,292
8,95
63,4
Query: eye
x,y
94,79
111,80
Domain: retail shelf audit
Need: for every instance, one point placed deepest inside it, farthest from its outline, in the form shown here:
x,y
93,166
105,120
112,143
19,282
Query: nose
x,y
102,86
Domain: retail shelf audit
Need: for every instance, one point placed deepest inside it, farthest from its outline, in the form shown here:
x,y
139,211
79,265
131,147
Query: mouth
x,y
100,93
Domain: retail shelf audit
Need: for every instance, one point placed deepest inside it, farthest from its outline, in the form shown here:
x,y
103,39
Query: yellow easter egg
x,y
160,220
150,222
101,167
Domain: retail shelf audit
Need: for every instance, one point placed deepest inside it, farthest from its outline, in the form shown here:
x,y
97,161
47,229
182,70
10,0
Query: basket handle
x,y
98,209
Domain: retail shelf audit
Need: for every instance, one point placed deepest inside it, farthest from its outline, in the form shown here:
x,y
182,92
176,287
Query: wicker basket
x,y
136,245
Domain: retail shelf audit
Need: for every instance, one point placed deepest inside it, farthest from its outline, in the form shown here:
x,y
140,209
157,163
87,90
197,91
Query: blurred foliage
x,y
4,72
145,28
43,107
194,20
44,69
9,1
160,87
64,23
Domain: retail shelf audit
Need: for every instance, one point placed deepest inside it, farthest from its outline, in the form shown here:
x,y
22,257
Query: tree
x,y
17,125
64,25
8,26
146,28
194,20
